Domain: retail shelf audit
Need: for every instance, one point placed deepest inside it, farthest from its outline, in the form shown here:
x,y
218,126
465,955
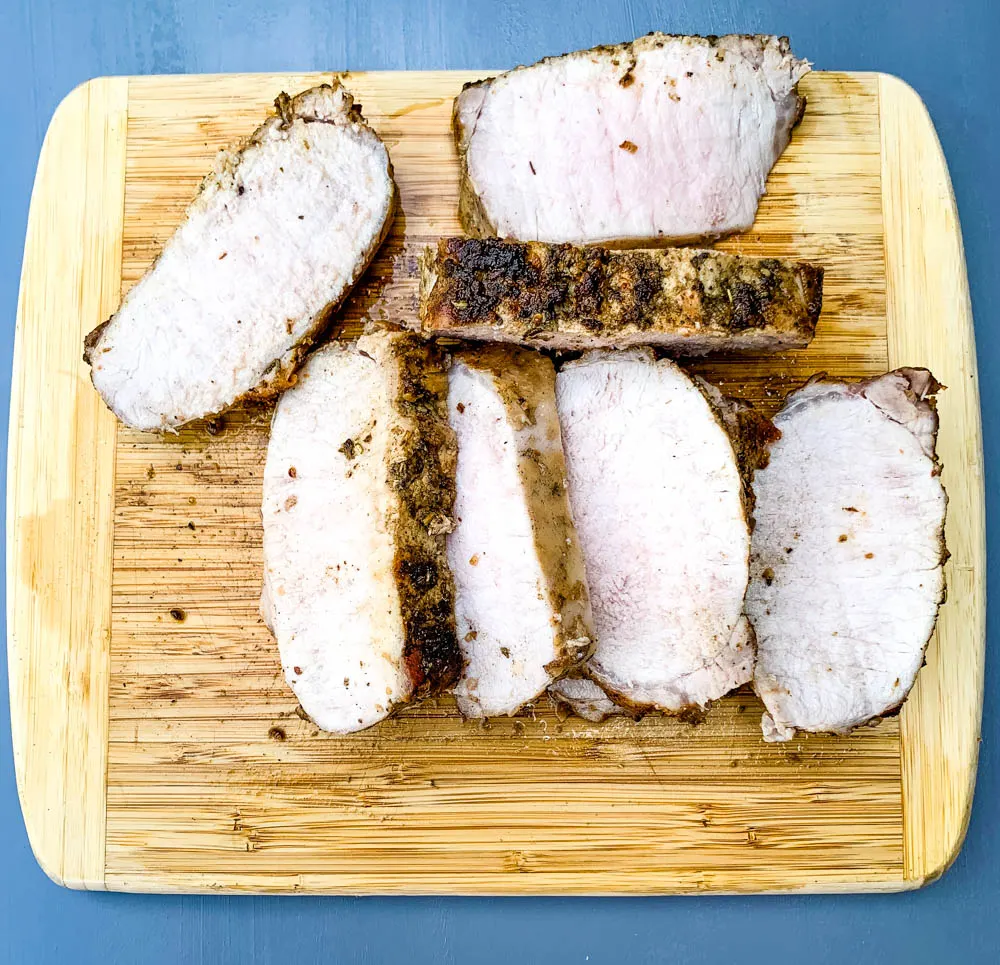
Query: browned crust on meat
x,y
524,380
422,456
471,212
568,297
281,373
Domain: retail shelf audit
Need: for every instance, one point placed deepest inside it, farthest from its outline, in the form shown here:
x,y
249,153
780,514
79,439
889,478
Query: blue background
x,y
944,48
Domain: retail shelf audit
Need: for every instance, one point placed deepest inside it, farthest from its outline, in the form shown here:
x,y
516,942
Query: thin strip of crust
x,y
422,456
564,297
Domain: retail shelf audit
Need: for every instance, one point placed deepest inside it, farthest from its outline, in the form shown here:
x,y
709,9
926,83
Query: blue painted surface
x,y
944,48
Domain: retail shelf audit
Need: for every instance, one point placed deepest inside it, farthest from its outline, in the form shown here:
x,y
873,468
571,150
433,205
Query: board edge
x,y
929,323
903,884
59,511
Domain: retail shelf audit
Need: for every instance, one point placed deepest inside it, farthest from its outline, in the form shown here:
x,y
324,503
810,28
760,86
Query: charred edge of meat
x,y
281,374
529,287
754,436
90,341
735,299
283,108
422,474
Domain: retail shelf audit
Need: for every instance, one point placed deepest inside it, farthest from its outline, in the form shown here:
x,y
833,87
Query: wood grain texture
x,y
930,324
60,493
213,780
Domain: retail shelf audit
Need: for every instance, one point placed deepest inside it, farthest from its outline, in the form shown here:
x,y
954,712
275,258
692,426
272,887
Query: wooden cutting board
x,y
157,746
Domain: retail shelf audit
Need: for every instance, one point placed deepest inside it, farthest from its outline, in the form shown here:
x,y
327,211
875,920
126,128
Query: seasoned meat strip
x,y
686,301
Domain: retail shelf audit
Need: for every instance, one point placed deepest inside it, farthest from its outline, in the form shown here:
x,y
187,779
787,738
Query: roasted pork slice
x,y
658,503
359,487
278,234
686,301
579,694
521,600
663,138
847,552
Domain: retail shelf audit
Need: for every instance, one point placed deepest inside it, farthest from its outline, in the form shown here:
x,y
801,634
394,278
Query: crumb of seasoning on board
x,y
276,734
178,614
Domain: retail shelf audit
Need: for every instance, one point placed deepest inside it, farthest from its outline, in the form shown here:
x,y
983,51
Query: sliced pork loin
x,y
686,301
278,234
665,137
521,601
658,502
359,487
848,550
583,696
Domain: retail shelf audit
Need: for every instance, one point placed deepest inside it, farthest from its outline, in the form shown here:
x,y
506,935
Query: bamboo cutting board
x,y
157,747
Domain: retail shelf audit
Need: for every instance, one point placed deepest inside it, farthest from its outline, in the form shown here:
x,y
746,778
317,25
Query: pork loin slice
x,y
521,600
686,301
847,553
665,137
579,694
657,499
359,487
278,234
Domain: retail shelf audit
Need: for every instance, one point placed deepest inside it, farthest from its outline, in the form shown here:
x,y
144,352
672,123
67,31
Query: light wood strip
x,y
930,324
60,493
